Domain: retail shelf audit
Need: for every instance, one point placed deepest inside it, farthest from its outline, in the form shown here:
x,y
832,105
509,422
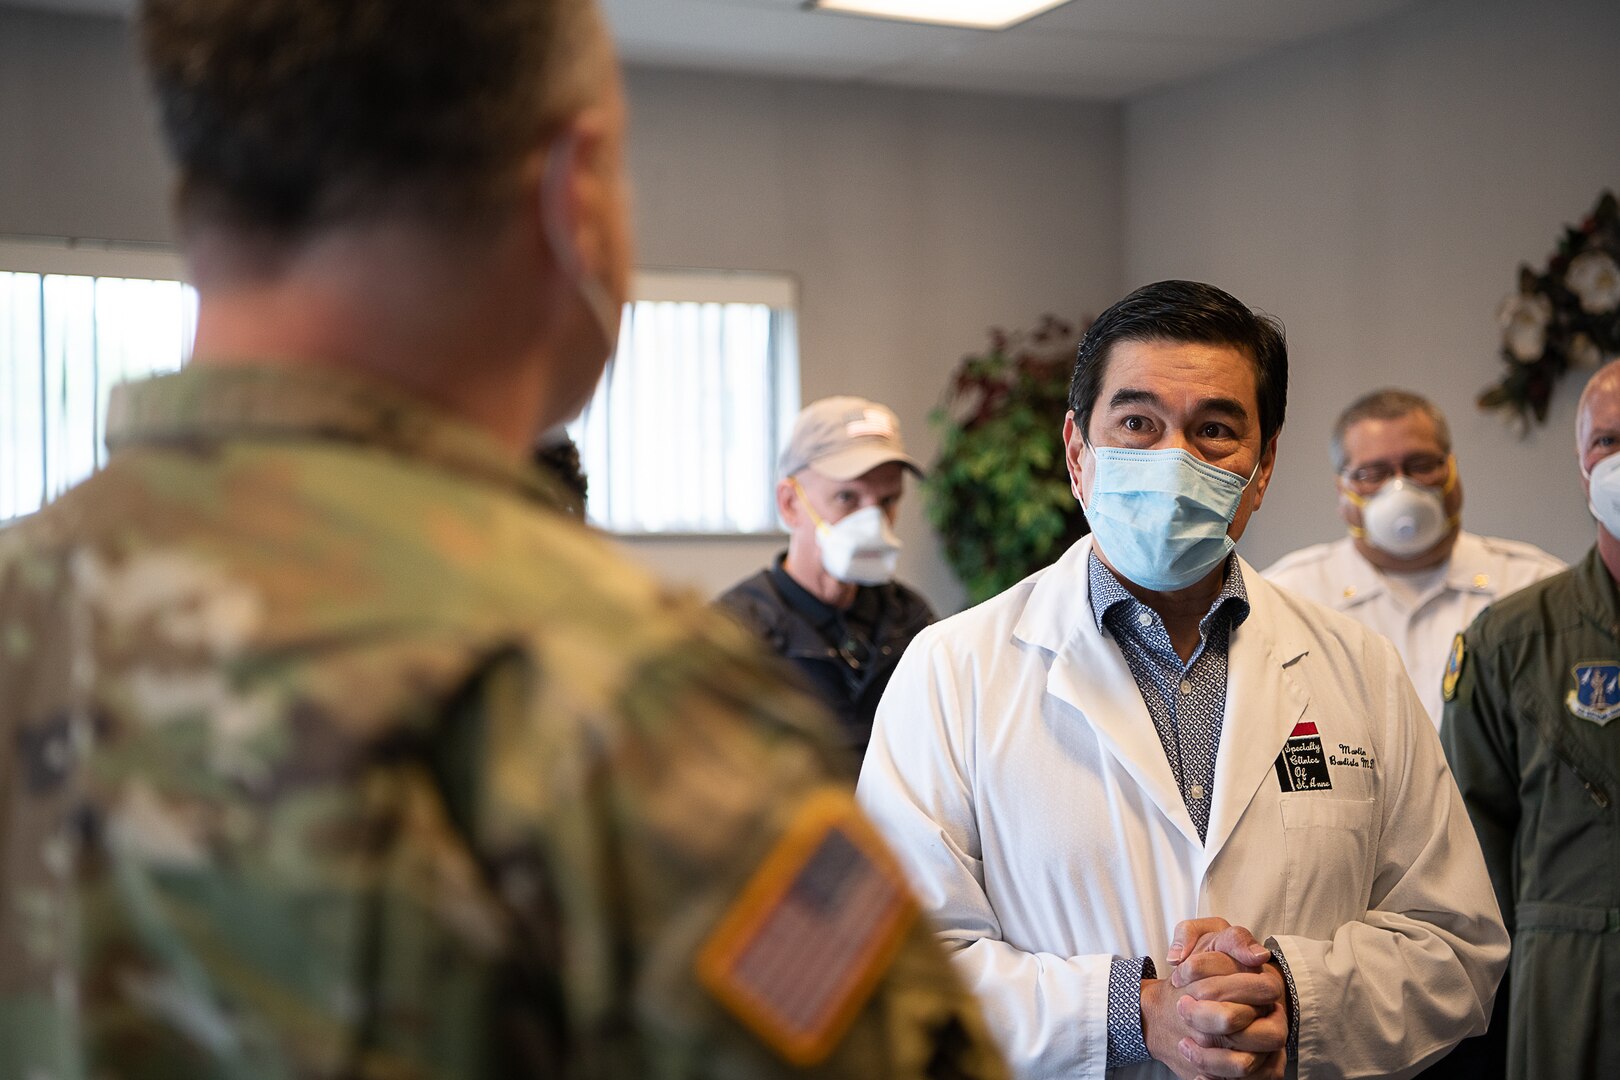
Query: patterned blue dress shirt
x,y
1186,702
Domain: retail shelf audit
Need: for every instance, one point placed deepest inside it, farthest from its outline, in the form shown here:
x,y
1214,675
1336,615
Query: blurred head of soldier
x,y
841,477
1399,492
430,193
1597,446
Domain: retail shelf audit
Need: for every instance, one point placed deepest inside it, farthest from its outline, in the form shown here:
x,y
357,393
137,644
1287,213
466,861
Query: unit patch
x,y
1302,765
1596,694
1454,668
805,943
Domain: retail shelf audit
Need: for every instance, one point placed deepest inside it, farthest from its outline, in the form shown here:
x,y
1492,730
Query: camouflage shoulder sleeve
x,y
723,908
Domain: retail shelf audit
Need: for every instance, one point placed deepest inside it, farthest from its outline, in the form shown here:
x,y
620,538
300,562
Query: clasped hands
x,y
1223,1011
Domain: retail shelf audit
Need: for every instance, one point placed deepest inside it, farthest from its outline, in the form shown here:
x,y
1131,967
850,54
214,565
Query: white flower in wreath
x,y
1584,352
1594,277
1524,325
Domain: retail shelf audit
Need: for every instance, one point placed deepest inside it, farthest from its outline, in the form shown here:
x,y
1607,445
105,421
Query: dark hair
x,y
1191,312
286,115
560,460
1388,404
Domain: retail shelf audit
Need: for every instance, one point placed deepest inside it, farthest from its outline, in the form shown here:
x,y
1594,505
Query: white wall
x,y
78,153
913,220
1377,192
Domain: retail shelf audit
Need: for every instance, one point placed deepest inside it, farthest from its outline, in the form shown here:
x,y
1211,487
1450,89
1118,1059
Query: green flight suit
x,y
330,749
1532,731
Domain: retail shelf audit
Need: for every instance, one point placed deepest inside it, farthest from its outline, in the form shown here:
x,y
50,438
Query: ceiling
x,y
1104,49
1098,49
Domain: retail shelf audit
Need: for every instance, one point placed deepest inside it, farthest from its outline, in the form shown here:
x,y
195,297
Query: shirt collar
x,y
1596,591
1467,571
800,599
204,405
1232,602
863,616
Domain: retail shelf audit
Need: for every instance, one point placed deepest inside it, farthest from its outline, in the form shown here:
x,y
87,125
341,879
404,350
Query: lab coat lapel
x,y
1089,673
1265,698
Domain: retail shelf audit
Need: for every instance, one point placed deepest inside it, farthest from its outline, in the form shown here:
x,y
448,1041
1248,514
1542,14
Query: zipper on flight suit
x,y
1593,788
1551,732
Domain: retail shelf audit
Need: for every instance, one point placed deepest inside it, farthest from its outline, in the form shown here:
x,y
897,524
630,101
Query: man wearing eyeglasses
x,y
1407,569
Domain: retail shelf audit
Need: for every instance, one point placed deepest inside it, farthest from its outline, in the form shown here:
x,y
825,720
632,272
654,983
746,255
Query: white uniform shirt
x,y
1016,771
1481,569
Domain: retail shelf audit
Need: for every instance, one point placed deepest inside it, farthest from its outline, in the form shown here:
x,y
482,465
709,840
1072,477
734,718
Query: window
x,y
683,432
74,322
681,436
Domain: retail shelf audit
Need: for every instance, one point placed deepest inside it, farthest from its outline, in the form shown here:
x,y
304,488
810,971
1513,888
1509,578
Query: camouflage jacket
x,y
329,749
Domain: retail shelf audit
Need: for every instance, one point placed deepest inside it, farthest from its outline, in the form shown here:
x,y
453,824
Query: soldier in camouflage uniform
x,y
328,747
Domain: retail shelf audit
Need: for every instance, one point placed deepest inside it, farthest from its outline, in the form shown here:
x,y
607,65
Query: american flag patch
x,y
801,949
872,422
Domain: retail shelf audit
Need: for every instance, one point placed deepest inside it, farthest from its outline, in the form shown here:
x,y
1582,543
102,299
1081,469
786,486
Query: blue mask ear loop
x,y
1254,472
1081,499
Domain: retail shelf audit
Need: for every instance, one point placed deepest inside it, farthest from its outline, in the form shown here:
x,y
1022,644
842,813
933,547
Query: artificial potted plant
x,y
999,492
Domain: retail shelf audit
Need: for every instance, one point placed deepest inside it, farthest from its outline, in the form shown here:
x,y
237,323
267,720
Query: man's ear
x,y
787,506
1074,454
1268,462
1349,512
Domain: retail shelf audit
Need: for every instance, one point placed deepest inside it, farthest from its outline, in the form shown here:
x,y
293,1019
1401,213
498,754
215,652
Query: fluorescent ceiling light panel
x,y
976,14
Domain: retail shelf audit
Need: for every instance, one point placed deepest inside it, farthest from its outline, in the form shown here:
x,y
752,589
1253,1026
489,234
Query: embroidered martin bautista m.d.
x,y
1302,765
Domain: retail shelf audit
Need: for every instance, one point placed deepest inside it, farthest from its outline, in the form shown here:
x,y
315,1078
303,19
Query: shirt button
x,y
1197,791
1144,619
1186,687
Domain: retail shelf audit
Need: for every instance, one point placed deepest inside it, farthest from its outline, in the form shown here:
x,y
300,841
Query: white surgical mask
x,y
1604,498
858,549
1402,518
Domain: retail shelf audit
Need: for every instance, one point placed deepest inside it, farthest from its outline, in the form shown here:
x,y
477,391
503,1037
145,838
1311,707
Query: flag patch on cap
x,y
873,422
801,949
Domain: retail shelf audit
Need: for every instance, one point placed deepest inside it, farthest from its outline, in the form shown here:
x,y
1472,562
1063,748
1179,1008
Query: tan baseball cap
x,y
844,437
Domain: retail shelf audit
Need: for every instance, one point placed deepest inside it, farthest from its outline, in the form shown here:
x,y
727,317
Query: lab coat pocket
x,y
1328,845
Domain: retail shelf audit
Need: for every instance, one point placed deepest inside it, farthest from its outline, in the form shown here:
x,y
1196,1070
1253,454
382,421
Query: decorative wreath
x,y
1566,316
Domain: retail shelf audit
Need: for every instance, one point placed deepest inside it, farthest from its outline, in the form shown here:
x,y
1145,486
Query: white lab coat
x,y
1481,570
1015,769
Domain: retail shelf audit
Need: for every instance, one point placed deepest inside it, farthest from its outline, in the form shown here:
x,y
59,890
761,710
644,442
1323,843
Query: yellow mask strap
x,y
815,517
1360,501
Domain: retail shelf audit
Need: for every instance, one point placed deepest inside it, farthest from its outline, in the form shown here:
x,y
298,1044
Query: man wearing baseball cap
x,y
830,604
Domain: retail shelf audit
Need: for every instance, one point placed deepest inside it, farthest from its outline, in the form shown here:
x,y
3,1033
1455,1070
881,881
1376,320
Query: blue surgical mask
x,y
1161,515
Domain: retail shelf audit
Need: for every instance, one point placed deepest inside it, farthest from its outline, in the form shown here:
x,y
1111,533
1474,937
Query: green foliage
x,y
999,492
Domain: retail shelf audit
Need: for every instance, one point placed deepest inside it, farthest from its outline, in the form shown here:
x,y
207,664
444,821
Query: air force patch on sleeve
x,y
1454,668
805,943
1596,694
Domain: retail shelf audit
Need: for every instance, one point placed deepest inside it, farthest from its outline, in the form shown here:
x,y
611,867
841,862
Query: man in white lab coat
x,y
1407,569
1147,732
